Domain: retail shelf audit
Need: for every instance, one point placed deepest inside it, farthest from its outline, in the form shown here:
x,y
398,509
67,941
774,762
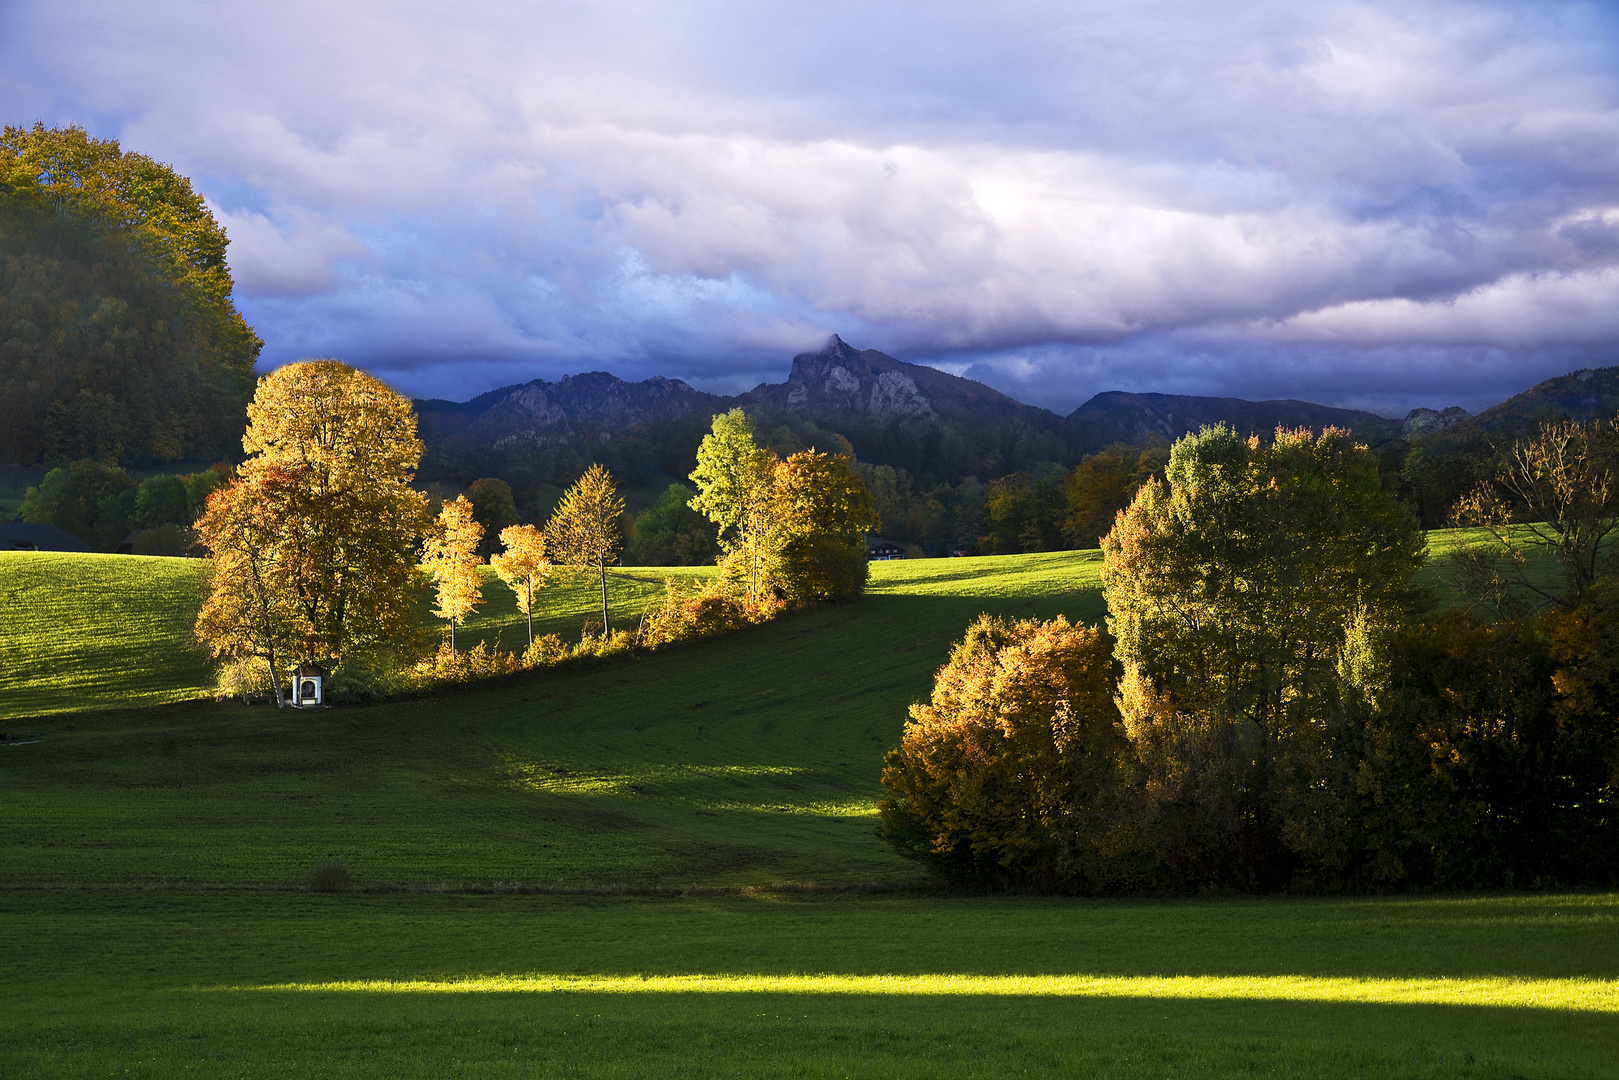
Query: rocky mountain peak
x,y
1419,422
868,382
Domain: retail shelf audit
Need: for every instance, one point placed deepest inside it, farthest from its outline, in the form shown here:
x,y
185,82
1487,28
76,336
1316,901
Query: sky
x,y
1373,205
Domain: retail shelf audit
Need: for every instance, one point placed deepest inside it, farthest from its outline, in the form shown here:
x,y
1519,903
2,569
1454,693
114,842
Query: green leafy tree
x,y
493,508
671,533
161,500
736,480
1252,594
90,499
586,531
118,337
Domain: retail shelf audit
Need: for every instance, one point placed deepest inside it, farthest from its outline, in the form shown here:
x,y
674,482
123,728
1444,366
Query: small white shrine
x,y
309,687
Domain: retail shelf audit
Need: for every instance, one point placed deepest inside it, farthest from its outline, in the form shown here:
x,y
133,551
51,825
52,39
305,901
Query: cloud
x,y
1265,199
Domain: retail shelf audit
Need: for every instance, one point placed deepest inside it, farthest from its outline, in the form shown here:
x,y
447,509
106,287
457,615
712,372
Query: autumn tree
x,y
736,489
823,511
586,532
1011,772
1251,593
248,612
524,566
340,547
451,556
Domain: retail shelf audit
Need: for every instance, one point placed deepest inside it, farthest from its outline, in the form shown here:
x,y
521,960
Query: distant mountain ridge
x,y
940,428
839,384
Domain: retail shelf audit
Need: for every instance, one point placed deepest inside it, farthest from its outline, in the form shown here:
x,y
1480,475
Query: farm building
x,y
884,550
18,536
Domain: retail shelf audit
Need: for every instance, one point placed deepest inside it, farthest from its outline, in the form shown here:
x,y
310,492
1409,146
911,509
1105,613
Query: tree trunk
x,y
452,637
269,629
530,614
606,629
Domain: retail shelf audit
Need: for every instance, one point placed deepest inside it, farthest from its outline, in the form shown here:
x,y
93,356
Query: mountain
x,y
1436,465
1115,416
946,438
930,423
844,382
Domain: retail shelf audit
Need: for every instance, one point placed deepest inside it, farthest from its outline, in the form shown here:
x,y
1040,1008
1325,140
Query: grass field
x,y
666,866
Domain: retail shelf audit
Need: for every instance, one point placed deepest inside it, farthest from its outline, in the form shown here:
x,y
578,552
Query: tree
x,y
1103,484
824,512
451,556
341,538
248,609
161,500
523,566
585,531
735,480
90,499
119,339
1011,772
1251,593
1557,491
493,508
671,533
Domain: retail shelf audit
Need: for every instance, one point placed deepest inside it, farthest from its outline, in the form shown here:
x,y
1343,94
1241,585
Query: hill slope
x,y
745,759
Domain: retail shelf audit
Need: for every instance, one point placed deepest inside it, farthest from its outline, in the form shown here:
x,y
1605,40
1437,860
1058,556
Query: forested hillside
x,y
118,337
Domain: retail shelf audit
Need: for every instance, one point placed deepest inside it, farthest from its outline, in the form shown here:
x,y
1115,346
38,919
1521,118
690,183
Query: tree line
x,y
323,551
1275,702
118,338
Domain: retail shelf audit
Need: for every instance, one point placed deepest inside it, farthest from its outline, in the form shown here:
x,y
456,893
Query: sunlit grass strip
x,y
1581,995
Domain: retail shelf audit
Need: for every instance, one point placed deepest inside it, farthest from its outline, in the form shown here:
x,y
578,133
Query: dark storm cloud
x,y
1381,205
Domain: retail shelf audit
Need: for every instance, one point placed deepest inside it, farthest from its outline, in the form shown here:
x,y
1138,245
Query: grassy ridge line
x,y
104,631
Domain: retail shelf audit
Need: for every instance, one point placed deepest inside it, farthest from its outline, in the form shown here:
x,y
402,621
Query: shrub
x,y
330,875
685,615
468,665
1014,771
171,540
544,651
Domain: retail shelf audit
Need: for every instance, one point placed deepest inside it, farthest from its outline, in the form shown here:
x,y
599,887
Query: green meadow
x,y
658,866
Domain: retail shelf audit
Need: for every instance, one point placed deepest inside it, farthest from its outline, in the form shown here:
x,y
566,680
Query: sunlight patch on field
x,y
1580,995
677,781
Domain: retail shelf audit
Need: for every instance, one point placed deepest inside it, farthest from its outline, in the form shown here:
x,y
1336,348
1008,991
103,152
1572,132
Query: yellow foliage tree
x,y
586,532
331,453
524,566
451,556
246,616
823,511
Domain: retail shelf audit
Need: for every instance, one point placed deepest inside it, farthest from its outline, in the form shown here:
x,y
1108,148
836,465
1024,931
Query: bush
x,y
448,666
1015,771
330,875
544,651
244,678
685,615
